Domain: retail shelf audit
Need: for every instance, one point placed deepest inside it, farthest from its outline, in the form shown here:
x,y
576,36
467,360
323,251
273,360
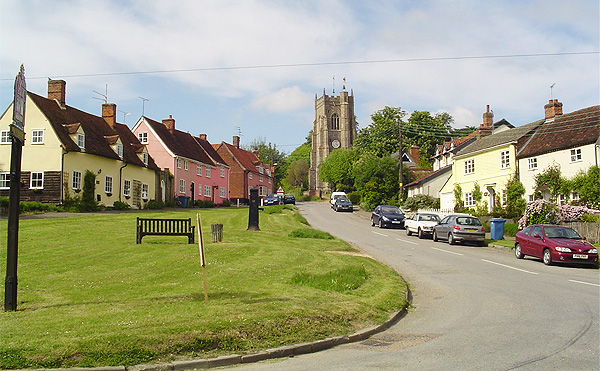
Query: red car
x,y
554,244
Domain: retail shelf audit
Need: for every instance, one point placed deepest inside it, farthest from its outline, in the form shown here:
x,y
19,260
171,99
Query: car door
x,y
376,214
536,245
442,228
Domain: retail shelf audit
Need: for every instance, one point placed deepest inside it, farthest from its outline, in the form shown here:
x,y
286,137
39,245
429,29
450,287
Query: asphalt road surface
x,y
474,308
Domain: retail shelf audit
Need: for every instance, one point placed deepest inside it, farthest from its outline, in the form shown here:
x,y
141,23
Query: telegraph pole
x,y
401,185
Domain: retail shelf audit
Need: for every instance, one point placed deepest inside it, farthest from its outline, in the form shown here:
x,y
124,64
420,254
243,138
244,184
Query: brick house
x,y
63,142
247,171
199,173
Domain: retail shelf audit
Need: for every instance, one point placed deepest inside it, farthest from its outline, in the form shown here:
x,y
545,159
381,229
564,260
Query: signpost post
x,y
17,134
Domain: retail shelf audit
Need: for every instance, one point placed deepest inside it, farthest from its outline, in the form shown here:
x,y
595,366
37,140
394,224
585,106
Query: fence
x,y
591,231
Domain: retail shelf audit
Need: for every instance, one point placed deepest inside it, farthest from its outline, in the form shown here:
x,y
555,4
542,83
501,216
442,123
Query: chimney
x,y
109,113
414,153
169,123
202,136
553,109
236,141
487,126
57,90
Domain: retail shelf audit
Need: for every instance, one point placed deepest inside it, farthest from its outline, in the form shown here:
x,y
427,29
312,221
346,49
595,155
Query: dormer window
x,y
120,150
145,158
81,140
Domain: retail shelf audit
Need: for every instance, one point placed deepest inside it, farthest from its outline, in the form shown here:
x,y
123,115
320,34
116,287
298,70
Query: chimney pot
x,y
553,109
236,141
488,117
109,114
169,123
202,136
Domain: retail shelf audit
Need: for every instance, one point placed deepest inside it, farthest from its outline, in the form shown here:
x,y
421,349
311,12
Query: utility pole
x,y
401,186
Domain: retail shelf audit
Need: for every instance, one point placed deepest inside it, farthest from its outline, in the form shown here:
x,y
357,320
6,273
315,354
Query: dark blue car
x,y
387,216
272,199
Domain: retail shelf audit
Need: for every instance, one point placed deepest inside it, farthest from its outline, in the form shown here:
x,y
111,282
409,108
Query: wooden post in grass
x,y
202,260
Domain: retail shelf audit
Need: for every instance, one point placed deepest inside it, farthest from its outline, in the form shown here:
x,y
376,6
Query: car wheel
x,y
408,232
451,239
434,237
518,252
420,233
380,224
372,222
547,257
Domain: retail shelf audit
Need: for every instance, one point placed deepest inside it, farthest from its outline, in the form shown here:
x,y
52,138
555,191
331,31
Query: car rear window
x,y
467,221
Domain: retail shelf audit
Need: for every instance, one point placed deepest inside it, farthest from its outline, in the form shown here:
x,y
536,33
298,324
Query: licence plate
x,y
579,256
395,222
471,230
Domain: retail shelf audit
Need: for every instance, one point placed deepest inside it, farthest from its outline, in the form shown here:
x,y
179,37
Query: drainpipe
x,y
121,180
62,174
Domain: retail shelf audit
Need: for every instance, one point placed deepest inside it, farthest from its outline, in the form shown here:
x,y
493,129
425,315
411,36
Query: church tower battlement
x,y
334,127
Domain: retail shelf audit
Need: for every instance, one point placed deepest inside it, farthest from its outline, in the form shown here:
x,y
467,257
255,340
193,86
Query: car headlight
x,y
593,251
385,218
562,249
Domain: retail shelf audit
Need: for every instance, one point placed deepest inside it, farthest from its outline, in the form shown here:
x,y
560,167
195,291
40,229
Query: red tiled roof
x,y
247,160
98,133
210,150
570,130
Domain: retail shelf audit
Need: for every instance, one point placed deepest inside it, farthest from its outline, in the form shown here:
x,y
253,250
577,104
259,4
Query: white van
x,y
335,195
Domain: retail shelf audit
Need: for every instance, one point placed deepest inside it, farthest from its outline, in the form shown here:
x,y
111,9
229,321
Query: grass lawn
x,y
89,296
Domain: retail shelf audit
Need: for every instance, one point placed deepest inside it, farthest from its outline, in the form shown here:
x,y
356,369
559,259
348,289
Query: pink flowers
x,y
545,212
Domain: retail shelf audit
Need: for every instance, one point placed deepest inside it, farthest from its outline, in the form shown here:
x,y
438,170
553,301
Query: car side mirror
x,y
537,236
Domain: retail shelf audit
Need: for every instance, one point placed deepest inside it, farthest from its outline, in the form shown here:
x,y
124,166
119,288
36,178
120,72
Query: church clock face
x,y
335,143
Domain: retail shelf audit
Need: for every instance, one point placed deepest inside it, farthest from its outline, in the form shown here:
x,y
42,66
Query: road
x,y
474,308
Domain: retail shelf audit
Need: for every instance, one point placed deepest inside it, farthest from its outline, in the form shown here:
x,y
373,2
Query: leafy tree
x,y
297,175
426,131
550,179
88,197
459,204
462,132
337,169
515,203
587,185
421,201
381,136
377,180
300,153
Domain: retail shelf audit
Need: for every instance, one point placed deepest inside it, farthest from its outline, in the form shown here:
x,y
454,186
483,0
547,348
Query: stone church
x,y
334,127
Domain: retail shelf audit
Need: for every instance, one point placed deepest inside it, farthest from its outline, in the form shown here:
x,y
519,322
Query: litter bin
x,y
183,200
497,228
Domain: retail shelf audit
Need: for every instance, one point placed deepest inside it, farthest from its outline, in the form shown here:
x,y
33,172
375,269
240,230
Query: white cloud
x,y
285,100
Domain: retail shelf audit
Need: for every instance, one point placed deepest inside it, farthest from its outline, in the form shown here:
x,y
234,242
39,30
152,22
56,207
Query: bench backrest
x,y
164,225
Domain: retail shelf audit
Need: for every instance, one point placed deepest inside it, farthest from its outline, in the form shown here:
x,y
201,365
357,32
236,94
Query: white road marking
x,y
585,283
449,252
508,266
381,234
411,242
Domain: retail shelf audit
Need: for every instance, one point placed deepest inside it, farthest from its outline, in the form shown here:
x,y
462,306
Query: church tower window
x,y
335,122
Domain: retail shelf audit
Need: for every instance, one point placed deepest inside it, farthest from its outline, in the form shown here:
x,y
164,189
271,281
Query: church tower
x,y
334,127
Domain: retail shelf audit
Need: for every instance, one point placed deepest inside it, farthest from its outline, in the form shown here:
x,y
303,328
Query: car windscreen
x,y
429,218
561,232
390,210
467,221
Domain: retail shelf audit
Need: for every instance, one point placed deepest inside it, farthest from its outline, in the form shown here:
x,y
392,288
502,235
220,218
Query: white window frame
x,y
470,166
81,140
207,172
185,164
4,180
262,190
505,159
39,182
207,191
222,192
198,169
120,150
143,137
178,163
222,172
76,180
532,163
469,199
37,136
144,191
108,184
200,189
575,196
145,158
504,197
576,155
182,186
5,137
250,176
126,187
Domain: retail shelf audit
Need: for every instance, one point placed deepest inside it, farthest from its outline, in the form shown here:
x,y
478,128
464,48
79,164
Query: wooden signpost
x,y
202,259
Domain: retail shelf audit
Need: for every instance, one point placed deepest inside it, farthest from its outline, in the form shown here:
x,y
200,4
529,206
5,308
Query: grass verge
x,y
89,296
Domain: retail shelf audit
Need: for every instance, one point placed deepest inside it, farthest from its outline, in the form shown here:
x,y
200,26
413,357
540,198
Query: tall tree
x,y
297,174
269,154
381,136
426,131
337,169
376,178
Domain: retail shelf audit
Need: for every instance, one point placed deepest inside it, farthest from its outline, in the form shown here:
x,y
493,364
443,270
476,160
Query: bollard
x,y
253,211
217,232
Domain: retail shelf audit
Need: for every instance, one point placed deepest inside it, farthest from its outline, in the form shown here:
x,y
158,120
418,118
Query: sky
x,y
253,68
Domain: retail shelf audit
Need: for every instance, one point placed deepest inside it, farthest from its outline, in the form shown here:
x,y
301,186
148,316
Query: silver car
x,y
459,228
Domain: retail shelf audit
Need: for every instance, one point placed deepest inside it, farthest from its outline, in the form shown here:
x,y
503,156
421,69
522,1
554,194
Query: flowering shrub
x,y
546,212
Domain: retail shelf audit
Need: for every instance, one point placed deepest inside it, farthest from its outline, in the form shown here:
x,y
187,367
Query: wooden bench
x,y
165,227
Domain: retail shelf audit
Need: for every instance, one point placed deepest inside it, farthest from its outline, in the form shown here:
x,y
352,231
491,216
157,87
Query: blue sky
x,y
212,52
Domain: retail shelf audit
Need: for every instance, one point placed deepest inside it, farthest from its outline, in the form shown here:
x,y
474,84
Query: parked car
x,y
289,199
387,216
554,244
335,195
342,204
459,228
421,223
272,199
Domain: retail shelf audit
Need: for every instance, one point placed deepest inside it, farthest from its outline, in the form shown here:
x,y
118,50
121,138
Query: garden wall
x,y
591,231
